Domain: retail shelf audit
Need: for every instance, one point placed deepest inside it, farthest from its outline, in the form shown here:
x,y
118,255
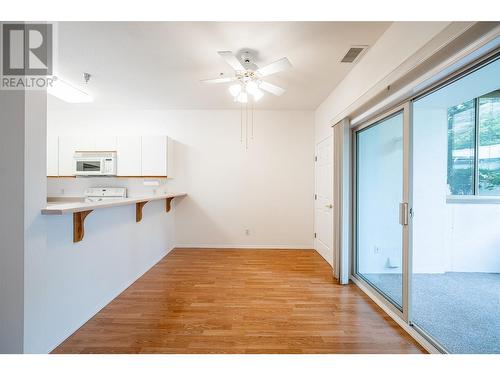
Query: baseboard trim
x,y
237,246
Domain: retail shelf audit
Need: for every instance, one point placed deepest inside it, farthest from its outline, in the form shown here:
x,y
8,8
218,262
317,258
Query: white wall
x,y
266,189
74,188
474,241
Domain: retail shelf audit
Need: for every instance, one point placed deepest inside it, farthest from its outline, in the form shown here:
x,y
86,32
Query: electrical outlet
x,y
247,232
376,250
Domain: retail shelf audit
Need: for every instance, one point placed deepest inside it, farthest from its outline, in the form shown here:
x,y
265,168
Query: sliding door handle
x,y
403,213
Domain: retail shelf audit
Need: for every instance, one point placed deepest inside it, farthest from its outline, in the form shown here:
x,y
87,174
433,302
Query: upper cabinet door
x,y
128,155
106,143
67,147
52,156
170,157
154,156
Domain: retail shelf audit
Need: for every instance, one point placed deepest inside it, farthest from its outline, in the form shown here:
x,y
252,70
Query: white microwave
x,y
95,163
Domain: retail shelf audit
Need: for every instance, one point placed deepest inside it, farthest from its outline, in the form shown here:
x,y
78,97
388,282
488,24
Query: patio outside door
x,y
381,211
429,251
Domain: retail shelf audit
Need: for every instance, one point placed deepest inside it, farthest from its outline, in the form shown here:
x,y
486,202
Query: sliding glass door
x,y
379,206
427,211
456,199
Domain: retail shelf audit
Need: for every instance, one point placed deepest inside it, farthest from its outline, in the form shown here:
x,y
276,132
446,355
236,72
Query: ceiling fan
x,y
248,76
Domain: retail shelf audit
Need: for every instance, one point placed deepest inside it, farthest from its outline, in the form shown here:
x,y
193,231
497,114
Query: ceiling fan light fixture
x,y
235,89
242,97
252,87
257,95
247,76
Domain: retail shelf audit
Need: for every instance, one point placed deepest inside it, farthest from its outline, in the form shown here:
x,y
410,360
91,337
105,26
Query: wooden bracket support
x,y
168,204
138,210
78,225
140,205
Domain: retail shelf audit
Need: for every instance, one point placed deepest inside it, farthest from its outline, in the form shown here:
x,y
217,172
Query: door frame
x,y
404,108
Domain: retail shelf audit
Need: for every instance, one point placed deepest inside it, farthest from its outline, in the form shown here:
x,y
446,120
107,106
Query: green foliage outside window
x,y
462,146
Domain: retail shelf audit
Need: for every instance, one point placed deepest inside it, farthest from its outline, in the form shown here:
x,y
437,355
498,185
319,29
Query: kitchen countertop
x,y
64,207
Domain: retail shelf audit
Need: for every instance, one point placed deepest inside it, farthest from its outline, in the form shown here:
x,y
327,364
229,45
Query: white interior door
x,y
323,208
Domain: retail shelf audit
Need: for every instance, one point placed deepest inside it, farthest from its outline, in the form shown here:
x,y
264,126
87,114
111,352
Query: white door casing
x,y
323,204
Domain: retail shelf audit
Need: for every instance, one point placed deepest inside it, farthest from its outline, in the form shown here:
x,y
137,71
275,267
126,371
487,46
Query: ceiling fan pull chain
x,y
252,118
249,84
246,126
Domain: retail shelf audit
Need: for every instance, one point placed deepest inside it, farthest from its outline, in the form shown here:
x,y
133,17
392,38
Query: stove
x,y
104,194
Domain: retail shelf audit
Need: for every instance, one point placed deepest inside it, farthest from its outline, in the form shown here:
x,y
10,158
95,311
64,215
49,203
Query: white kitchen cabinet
x,y
147,156
105,143
52,156
67,147
128,155
154,156
170,157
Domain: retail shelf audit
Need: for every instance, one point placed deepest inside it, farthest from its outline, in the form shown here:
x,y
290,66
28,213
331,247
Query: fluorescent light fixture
x,y
235,89
69,93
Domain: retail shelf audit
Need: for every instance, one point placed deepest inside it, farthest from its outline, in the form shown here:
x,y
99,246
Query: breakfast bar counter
x,y
80,209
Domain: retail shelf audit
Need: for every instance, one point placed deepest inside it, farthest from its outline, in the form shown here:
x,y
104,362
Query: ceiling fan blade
x,y
273,89
231,60
219,80
274,67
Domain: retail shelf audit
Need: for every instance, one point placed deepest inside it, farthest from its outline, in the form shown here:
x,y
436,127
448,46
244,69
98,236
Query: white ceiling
x,y
159,65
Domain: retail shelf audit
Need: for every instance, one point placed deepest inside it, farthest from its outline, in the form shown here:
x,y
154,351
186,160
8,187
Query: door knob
x,y
329,205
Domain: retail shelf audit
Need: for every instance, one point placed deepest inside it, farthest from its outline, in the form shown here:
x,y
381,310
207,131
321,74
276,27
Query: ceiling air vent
x,y
353,54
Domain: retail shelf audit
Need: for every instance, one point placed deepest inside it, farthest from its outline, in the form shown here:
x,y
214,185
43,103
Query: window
x,y
474,146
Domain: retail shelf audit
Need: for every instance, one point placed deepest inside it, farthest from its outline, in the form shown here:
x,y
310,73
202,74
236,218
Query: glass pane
x,y
489,144
455,246
461,146
88,166
379,193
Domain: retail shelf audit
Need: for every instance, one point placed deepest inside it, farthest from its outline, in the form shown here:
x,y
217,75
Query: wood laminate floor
x,y
240,301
